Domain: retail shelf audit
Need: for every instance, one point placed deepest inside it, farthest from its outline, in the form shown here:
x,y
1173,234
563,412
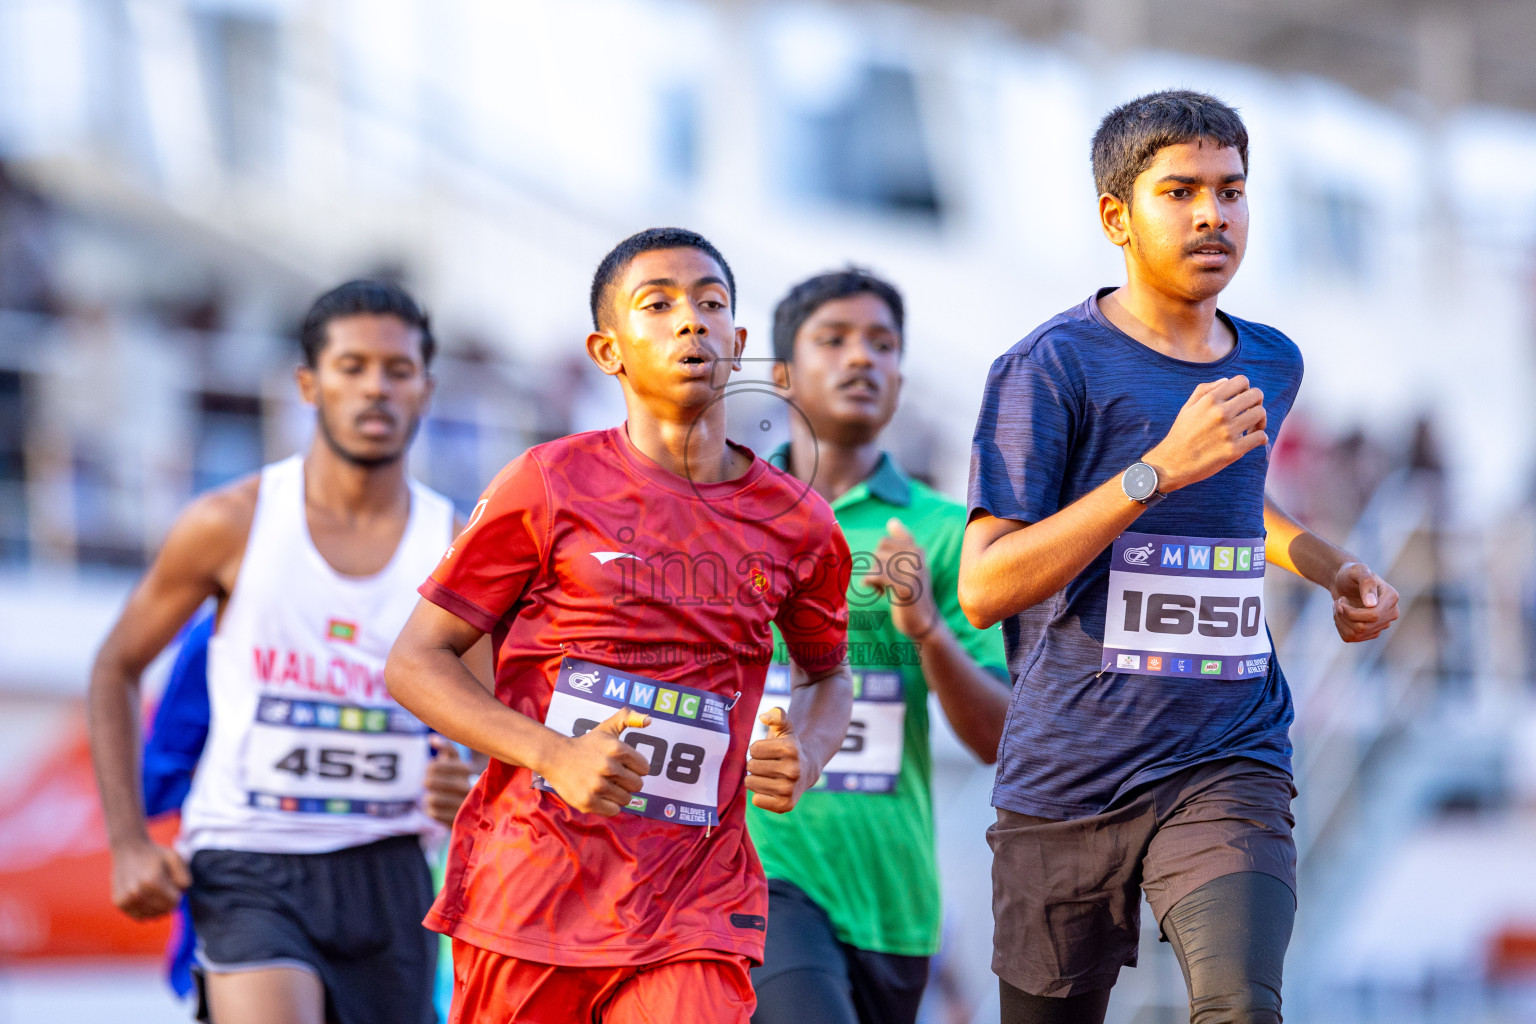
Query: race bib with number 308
x,y
686,742
1186,606
316,757
869,761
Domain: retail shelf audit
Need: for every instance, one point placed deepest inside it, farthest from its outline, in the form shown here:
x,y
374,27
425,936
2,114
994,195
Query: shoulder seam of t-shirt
x,y
1028,349
1270,333
546,543
1025,350
825,516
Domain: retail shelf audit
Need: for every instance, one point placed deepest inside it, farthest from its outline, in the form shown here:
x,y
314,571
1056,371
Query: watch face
x,y
1140,482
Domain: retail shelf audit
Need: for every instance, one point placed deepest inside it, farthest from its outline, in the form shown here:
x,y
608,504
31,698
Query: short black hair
x,y
805,298
649,240
1130,136
384,298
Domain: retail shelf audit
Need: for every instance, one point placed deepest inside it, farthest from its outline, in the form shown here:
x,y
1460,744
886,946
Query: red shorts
x,y
699,985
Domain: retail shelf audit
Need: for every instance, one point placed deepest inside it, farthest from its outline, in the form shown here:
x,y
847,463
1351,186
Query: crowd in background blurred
x,y
153,268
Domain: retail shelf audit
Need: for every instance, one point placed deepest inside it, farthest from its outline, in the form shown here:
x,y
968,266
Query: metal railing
x,y
1348,696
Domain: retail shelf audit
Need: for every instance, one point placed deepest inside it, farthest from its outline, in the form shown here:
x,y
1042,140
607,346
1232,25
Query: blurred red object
x,y
1512,952
55,871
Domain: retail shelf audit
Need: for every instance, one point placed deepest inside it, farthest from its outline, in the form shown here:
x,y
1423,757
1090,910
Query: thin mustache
x,y
1210,240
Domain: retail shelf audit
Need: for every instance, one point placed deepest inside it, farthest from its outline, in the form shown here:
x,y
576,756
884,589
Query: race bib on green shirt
x,y
869,760
1186,606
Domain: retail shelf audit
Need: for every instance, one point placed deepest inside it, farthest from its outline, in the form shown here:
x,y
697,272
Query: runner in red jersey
x,y
600,869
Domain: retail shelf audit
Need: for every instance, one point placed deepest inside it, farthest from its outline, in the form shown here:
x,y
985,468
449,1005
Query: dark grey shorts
x,y
809,977
1065,900
351,917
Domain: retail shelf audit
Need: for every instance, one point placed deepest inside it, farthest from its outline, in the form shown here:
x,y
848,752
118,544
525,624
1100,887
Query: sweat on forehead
x,y
622,255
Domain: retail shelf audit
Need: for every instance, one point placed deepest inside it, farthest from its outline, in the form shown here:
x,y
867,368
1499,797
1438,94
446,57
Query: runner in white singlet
x,y
306,751
301,847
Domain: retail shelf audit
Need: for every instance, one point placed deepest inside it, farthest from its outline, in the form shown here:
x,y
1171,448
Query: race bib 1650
x,y
1186,606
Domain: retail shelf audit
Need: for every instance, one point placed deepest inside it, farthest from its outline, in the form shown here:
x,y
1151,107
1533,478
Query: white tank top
x,y
306,750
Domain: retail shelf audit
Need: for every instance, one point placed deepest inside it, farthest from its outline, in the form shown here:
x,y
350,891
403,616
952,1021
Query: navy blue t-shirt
x,y
1066,409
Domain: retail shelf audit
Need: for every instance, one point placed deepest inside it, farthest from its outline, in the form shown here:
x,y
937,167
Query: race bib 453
x,y
315,757
686,742
1186,606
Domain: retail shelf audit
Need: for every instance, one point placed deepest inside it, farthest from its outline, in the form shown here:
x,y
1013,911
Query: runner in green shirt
x,y
853,883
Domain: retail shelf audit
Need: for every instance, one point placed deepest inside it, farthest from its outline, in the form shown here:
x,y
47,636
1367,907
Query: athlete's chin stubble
x,y
364,461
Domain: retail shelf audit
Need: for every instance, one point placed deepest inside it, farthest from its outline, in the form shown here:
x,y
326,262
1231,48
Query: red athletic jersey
x,y
585,547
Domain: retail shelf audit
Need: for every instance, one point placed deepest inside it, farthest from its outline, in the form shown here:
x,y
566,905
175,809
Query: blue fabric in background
x,y
180,726
171,749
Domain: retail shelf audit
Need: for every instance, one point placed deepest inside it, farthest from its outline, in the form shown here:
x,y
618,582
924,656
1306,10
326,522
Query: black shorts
x,y
808,975
352,917
1066,895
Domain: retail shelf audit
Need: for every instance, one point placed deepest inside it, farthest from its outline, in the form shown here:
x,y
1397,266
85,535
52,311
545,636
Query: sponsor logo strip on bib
x,y
315,757
869,761
686,742
1190,607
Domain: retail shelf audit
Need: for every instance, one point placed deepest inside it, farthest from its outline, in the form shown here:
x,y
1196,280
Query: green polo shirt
x,y
868,859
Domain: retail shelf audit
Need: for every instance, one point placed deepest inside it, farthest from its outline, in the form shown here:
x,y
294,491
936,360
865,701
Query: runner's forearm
x,y
433,683
1003,575
113,712
974,700
1296,549
819,710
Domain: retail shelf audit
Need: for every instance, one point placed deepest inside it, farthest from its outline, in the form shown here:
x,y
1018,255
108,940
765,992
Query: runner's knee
x,y
1020,1007
1251,1005
275,995
1230,936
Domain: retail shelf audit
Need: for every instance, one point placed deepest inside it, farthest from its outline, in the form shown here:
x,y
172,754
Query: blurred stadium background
x,y
178,178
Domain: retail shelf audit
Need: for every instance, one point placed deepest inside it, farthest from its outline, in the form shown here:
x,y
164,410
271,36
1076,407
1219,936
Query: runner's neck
x,y
695,450
838,468
351,492
1178,328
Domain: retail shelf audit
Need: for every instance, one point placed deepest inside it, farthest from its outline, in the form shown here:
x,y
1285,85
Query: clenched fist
x,y
147,879
596,771
446,782
901,571
777,769
1220,423
1364,604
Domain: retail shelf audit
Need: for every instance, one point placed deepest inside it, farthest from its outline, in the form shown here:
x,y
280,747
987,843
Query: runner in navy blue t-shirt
x,y
1117,481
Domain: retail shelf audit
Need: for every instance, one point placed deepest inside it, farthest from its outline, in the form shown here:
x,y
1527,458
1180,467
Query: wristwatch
x,y
1139,483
